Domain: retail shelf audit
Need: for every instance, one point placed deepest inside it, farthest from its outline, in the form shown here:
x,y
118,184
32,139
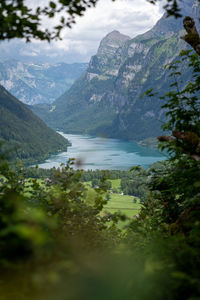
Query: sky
x,y
130,17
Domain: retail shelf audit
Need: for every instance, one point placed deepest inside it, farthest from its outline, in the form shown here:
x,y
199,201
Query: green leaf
x,y
52,4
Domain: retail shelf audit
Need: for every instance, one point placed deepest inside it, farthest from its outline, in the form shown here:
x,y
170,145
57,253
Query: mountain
x,y
38,83
28,136
81,107
106,99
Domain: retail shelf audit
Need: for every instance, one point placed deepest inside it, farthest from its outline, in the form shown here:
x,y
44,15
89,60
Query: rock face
x,y
38,83
108,58
86,102
106,99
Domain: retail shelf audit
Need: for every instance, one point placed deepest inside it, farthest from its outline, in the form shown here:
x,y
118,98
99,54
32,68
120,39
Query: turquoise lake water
x,y
103,153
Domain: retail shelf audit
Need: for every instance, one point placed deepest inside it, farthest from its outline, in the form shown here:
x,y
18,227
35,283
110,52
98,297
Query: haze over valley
x,y
38,83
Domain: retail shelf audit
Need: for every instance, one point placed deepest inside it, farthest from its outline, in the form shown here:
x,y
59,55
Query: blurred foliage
x,y
169,220
19,19
182,107
45,224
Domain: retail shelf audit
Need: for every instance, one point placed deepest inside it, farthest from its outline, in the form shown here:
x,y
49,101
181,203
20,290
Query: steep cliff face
x,y
144,69
88,105
107,98
139,118
109,56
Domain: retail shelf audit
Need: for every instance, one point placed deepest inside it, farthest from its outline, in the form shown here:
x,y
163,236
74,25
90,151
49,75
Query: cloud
x,y
131,17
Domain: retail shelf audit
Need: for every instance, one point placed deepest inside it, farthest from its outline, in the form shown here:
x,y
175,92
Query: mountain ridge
x,y
35,83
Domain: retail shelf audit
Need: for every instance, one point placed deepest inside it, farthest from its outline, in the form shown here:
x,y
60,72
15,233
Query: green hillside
x,y
28,137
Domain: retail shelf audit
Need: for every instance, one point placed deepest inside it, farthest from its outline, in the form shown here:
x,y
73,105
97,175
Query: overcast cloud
x,y
130,17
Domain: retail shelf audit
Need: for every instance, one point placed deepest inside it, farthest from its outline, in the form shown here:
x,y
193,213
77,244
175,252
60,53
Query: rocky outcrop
x,y
109,57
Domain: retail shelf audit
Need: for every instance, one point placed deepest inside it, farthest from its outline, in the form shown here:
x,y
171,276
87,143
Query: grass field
x,y
128,205
124,204
116,184
118,202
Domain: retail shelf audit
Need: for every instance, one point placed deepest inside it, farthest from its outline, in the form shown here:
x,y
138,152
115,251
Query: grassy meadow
x,y
124,204
128,205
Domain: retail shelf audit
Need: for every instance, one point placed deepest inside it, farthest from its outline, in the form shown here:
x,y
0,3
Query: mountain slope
x,y
38,83
21,129
82,108
106,99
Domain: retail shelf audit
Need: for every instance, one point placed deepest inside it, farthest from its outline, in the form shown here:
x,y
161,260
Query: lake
x,y
103,153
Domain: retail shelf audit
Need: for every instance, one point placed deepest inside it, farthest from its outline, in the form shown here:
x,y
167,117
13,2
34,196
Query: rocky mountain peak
x,y
116,35
111,42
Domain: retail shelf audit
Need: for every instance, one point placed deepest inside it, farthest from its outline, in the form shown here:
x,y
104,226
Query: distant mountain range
x,y
25,136
38,83
106,99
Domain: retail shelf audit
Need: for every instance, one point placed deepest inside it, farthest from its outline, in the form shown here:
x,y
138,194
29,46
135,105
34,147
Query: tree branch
x,y
192,36
190,142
